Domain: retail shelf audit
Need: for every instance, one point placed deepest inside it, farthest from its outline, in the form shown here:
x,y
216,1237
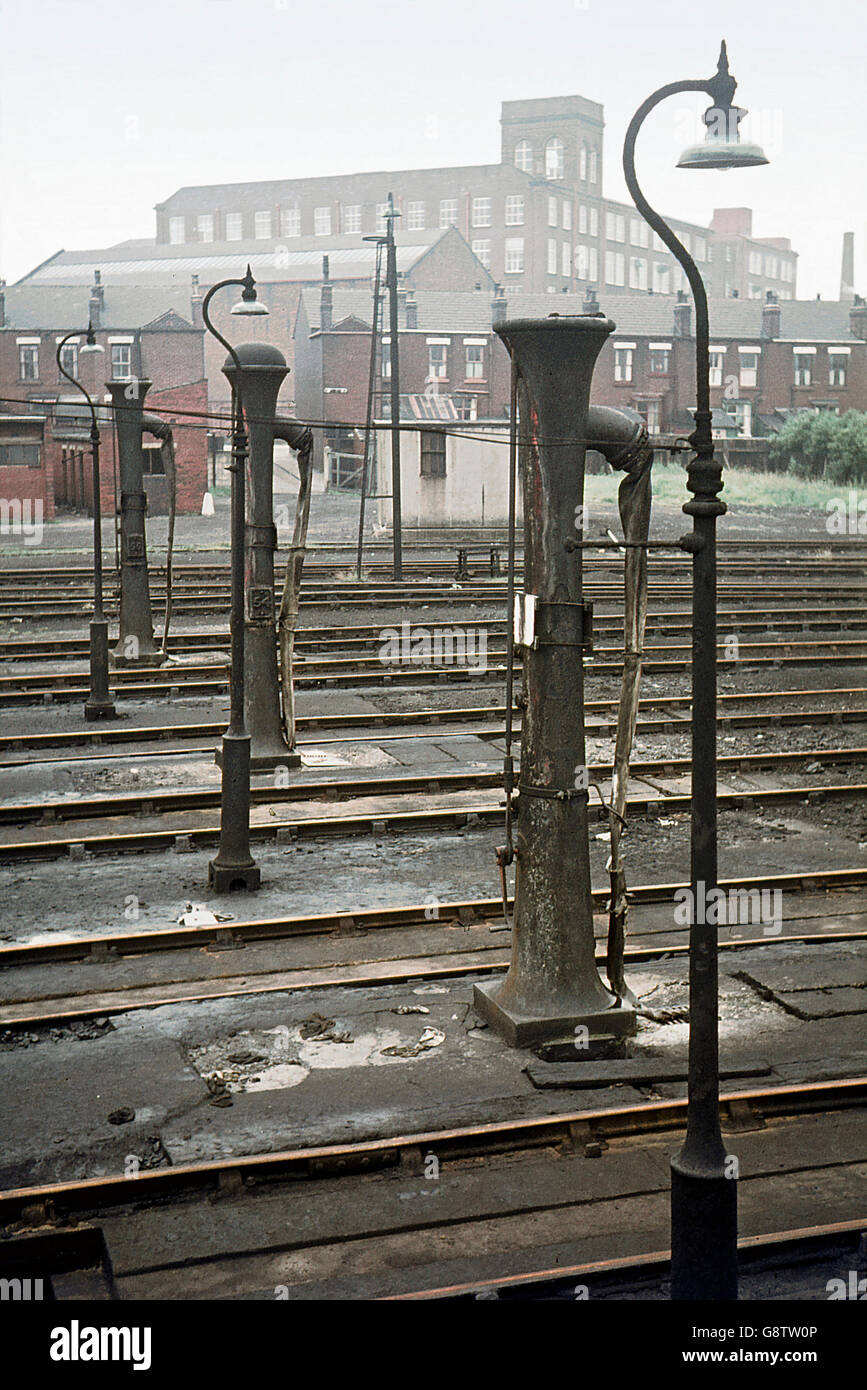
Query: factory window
x,y
755,291
515,210
582,163
594,221
615,227
205,227
322,221
415,217
514,262
581,262
639,232
449,212
623,364
552,256
749,368
69,360
290,222
262,226
481,212
121,361
433,454
661,278
755,263
582,218
352,219
594,264
659,360
177,230
803,369
482,249
566,221
566,258
659,244
700,249
235,226
717,363
637,273
20,456
524,156
437,361
382,217
28,362
554,158
837,362
615,268
771,267
475,361
594,166
552,212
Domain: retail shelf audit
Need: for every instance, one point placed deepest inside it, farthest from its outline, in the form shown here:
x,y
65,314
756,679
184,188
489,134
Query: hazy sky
x,y
107,106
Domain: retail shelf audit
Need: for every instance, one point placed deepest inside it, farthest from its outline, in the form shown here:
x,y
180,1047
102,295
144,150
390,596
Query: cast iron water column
x,y
553,985
265,370
135,645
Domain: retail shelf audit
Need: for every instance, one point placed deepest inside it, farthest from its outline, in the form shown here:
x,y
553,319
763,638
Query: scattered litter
x,y
431,989
813,767
412,1009
321,1029
197,915
431,1037
605,837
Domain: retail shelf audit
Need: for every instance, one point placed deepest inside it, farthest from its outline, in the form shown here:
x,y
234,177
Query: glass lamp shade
x,y
714,153
90,347
249,307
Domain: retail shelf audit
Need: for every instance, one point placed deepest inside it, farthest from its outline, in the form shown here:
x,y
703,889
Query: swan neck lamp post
x,y
234,867
703,1176
99,704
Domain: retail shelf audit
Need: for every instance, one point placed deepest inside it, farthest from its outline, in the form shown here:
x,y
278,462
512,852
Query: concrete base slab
x,y
527,1030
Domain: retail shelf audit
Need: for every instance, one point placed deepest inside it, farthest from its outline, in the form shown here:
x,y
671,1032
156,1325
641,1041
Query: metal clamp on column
x,y
564,624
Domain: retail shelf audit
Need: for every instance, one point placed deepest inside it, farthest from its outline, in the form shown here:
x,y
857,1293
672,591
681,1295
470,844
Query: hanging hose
x,y
163,432
300,438
622,438
506,853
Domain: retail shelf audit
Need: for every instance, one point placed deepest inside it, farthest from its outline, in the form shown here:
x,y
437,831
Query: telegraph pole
x,y
391,282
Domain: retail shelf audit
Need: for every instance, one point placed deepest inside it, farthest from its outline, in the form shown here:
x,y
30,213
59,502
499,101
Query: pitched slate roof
x,y
125,306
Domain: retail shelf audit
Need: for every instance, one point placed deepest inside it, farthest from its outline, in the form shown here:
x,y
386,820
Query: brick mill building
x,y
537,219
45,430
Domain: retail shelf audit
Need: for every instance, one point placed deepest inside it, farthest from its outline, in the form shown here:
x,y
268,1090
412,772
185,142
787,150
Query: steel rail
x,y
161,801
55,1202
384,821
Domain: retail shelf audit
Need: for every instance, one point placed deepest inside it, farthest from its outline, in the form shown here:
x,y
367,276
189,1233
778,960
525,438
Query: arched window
x,y
554,158
582,163
524,156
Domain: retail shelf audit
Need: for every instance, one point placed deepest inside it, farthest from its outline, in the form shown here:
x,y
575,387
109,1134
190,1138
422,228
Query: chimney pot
x,y
411,310
499,306
771,316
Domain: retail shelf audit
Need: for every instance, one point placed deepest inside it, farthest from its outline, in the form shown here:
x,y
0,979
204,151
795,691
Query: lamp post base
x,y
234,867
528,1030
99,704
704,1234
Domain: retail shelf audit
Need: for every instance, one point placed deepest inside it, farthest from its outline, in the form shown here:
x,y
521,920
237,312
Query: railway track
x,y
507,1192
160,802
358,671
93,838
150,968
768,708
363,638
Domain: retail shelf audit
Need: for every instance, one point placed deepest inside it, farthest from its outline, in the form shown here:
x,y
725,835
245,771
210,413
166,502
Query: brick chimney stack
x,y
858,317
682,316
771,316
196,303
591,303
847,267
499,306
411,310
326,298
96,303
